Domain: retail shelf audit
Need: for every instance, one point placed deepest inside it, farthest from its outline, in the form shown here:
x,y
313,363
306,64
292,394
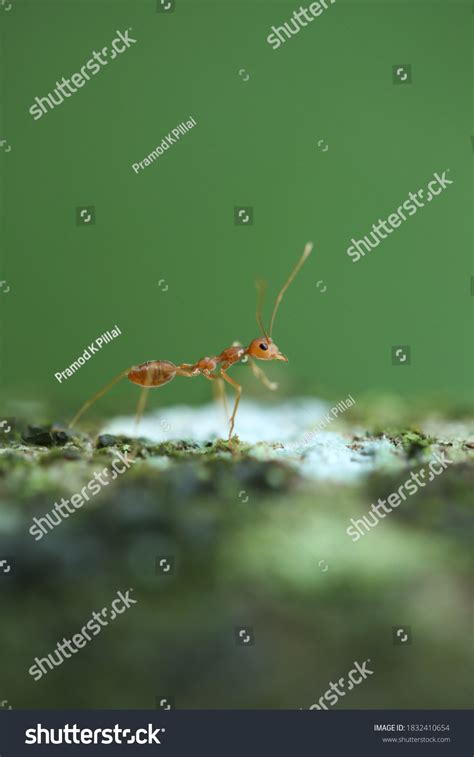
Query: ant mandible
x,y
159,372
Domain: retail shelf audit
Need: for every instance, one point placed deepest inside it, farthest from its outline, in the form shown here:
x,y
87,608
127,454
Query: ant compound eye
x,y
263,346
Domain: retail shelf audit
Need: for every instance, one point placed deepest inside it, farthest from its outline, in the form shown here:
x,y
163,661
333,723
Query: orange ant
x,y
159,372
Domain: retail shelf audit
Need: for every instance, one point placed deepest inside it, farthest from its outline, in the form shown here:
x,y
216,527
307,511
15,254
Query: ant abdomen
x,y
152,373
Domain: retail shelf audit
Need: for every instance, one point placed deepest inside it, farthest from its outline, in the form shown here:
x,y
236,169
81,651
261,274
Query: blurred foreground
x,y
215,538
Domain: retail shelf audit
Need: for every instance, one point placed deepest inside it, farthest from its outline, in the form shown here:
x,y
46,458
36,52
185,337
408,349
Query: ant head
x,y
263,348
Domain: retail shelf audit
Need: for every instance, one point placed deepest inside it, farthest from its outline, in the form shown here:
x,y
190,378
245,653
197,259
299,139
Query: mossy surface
x,y
253,542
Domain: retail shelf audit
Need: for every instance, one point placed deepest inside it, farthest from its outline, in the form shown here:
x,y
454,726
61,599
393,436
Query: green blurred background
x,y
256,144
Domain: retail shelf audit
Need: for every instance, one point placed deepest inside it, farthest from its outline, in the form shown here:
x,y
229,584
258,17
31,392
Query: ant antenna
x,y
261,287
306,252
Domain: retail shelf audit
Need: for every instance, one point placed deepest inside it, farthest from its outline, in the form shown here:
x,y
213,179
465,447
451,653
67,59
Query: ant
x,y
159,372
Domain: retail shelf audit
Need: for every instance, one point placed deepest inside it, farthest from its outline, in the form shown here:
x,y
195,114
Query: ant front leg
x,y
238,390
258,373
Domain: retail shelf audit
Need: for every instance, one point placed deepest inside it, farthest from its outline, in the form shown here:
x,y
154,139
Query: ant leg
x,y
140,408
222,395
97,396
220,391
238,390
143,398
258,373
138,416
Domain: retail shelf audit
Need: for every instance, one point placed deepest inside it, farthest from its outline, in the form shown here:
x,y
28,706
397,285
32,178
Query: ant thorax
x,y
231,355
206,364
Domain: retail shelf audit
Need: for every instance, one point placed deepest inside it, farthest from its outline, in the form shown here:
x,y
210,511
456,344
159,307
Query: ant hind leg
x,y
97,396
140,409
143,397
141,405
